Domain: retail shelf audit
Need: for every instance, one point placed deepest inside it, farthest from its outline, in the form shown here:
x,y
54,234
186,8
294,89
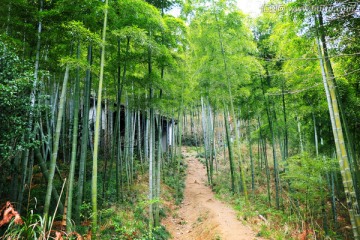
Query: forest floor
x,y
201,216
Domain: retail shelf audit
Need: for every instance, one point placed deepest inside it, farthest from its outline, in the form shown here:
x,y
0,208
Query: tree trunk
x,y
286,138
139,138
264,154
84,138
56,146
341,150
151,170
232,110
231,154
97,130
32,106
252,167
158,174
206,137
74,147
300,135
45,173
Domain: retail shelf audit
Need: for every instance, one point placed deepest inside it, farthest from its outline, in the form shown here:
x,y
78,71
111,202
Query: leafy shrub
x,y
189,140
32,228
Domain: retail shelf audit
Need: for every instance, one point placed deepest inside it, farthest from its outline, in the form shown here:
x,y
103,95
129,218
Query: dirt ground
x,y
201,216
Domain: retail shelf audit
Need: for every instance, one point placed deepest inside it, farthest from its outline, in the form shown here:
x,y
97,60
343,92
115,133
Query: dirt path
x,y
201,216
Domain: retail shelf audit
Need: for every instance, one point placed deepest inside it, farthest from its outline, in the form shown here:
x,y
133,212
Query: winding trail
x,y
201,216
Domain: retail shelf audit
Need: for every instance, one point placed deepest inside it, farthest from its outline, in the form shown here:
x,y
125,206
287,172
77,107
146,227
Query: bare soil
x,y
201,216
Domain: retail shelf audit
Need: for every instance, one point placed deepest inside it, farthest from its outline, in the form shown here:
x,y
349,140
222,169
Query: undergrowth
x,y
269,222
125,218
305,210
174,173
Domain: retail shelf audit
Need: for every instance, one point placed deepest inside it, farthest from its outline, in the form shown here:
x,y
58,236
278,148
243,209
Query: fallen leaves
x,y
7,213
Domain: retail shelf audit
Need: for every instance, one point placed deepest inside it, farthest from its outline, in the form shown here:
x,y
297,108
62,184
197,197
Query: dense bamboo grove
x,y
97,99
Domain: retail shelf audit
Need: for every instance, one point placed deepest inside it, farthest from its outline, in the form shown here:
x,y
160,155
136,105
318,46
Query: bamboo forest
x,y
179,119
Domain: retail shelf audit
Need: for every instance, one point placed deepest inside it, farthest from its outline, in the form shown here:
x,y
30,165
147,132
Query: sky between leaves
x,y
251,7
